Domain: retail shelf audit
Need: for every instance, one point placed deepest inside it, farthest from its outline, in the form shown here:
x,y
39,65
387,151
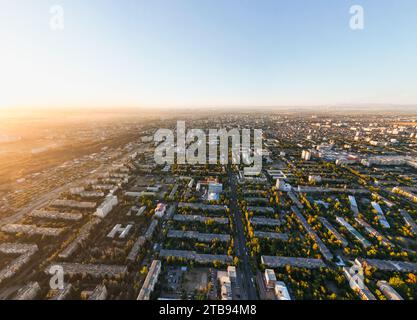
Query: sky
x,y
199,53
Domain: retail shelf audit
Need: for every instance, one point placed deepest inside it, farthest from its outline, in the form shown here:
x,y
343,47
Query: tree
x,y
411,278
144,270
333,296
396,281
235,261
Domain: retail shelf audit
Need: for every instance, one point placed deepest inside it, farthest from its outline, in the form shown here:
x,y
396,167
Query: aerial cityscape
x,y
336,191
208,150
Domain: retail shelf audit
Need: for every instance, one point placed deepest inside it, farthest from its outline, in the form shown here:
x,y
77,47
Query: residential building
x,y
150,281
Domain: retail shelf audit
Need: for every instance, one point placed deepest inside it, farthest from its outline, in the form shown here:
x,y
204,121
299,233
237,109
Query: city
x,y
208,158
331,215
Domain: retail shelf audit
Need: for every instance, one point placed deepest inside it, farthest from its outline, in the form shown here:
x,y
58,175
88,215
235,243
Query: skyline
x,y
189,54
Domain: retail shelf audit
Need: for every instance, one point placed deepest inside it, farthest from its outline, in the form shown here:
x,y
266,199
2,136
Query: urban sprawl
x,y
336,194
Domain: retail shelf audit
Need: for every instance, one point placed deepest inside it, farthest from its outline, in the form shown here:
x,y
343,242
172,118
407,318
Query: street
x,y
248,285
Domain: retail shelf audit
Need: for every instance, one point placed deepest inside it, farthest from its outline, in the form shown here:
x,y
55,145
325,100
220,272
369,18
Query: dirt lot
x,y
196,279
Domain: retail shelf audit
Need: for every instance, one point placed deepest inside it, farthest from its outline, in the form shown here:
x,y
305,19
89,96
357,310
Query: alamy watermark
x,y
357,277
56,282
357,19
190,147
57,18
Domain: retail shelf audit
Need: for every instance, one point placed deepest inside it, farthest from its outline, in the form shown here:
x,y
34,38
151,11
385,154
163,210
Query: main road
x,y
248,279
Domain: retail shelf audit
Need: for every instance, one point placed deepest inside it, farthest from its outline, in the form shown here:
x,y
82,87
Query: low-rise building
x,y
231,272
388,291
201,206
56,215
281,185
270,278
353,205
197,257
262,221
389,265
271,235
306,155
333,230
150,280
310,189
198,218
28,292
73,204
322,247
25,252
374,233
64,293
120,230
95,270
32,230
151,229
279,261
257,209
160,210
203,237
82,236
314,179
281,291
406,193
295,199
382,220
136,247
365,243
225,286
106,206
99,293
409,221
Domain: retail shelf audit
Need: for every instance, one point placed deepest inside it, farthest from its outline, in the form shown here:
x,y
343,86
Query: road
x,y
45,198
247,277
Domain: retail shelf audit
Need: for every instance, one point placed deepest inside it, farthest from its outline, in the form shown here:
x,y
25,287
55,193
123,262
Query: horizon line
x,y
174,108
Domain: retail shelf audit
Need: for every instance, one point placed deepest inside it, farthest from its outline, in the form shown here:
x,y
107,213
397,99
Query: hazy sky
x,y
207,52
